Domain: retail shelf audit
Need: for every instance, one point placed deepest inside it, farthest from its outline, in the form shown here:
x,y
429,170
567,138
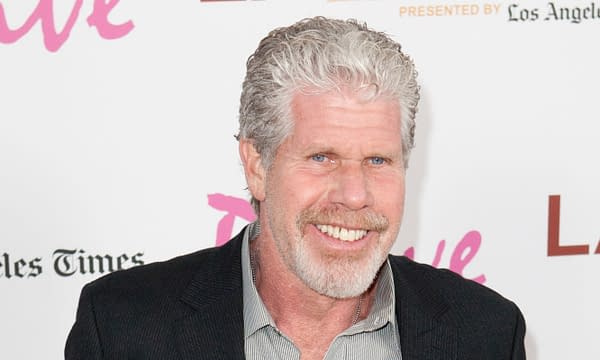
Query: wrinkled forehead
x,y
346,104
344,117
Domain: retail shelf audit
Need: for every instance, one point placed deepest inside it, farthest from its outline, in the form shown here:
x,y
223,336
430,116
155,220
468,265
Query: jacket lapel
x,y
215,327
420,312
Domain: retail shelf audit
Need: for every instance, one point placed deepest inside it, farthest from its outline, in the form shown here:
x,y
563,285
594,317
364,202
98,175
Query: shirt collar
x,y
256,315
383,310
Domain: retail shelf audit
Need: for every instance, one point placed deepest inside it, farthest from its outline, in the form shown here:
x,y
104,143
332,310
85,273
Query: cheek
x,y
389,195
293,191
303,185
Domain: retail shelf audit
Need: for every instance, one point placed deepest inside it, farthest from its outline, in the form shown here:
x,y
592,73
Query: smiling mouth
x,y
342,233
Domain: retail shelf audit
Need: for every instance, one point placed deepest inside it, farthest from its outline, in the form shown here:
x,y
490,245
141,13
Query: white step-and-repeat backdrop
x,y
116,148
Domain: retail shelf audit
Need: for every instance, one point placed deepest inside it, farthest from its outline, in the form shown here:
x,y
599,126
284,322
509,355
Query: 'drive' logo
x,y
54,39
464,252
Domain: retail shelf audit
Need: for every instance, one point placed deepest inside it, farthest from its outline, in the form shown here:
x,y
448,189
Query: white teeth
x,y
342,233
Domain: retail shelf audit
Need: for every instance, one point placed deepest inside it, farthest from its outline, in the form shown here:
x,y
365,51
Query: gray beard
x,y
340,276
336,277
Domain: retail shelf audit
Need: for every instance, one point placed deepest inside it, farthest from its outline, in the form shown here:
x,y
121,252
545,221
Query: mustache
x,y
361,219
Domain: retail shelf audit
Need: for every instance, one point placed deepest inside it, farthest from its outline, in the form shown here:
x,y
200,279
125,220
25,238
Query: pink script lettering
x,y
53,39
234,207
463,253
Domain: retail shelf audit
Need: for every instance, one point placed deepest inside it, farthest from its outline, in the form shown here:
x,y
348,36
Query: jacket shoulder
x,y
485,324
466,298
161,283
153,278
123,314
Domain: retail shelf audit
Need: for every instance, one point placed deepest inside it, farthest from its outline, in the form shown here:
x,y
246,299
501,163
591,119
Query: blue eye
x,y
376,160
318,157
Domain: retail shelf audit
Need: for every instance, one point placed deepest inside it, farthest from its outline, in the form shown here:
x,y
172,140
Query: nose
x,y
350,186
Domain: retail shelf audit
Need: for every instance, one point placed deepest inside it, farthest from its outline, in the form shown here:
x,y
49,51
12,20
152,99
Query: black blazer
x,y
191,307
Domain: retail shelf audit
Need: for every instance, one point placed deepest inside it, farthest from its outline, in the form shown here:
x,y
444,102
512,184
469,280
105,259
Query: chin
x,y
337,277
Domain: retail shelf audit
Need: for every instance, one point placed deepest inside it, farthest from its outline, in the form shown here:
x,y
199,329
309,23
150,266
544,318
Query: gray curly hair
x,y
323,54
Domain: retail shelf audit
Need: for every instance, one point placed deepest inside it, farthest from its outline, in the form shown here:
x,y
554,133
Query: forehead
x,y
345,117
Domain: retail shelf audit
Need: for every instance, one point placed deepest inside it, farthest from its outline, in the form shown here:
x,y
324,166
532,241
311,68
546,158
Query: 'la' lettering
x,y
53,39
554,246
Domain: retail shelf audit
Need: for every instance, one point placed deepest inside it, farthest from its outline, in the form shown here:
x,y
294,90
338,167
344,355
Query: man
x,y
326,128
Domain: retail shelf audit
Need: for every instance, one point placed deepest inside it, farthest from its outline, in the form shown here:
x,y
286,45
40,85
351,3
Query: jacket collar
x,y
421,314
215,330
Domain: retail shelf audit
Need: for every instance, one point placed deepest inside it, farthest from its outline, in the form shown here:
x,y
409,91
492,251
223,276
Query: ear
x,y
253,168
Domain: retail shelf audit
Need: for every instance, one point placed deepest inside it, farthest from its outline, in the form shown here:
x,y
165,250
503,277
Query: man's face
x,y
334,195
